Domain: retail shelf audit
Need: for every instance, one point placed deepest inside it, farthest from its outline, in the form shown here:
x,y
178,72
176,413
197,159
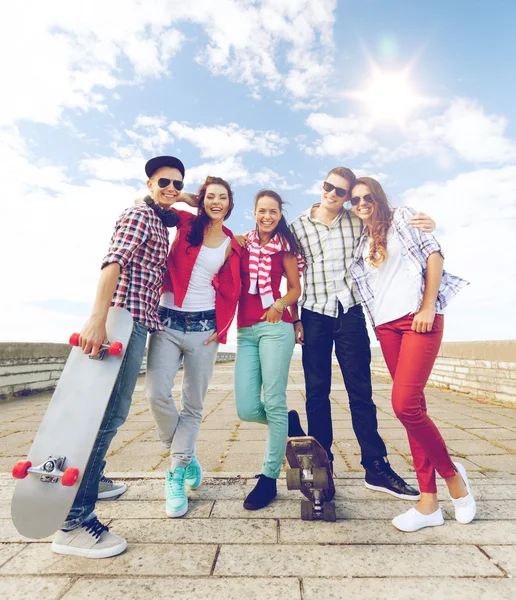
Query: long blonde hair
x,y
380,221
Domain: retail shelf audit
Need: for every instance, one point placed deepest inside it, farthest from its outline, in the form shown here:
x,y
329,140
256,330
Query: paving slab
x,y
354,561
29,588
441,588
503,556
185,588
138,559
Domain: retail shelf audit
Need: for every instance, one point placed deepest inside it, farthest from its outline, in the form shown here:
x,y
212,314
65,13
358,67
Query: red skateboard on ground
x,y
51,475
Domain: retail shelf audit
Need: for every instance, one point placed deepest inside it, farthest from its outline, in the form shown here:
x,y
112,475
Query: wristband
x,y
278,311
296,321
281,300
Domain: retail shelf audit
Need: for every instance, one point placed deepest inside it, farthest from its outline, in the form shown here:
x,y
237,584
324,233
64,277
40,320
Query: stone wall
x,y
482,369
28,368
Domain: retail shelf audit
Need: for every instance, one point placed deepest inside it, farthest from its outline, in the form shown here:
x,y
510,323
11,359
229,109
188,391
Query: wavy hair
x,y
282,227
195,236
380,221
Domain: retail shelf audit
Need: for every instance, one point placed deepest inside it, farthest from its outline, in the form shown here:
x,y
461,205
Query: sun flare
x,y
389,97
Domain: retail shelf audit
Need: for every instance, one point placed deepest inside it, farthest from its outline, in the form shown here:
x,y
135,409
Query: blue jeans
x,y
115,415
264,352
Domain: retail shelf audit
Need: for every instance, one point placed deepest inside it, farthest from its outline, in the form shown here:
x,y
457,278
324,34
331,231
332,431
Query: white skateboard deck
x,y
69,429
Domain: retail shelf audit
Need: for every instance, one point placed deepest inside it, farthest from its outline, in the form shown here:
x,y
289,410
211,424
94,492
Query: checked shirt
x,y
140,246
416,247
328,253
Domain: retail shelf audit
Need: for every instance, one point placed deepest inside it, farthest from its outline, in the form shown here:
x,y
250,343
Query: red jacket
x,y
181,261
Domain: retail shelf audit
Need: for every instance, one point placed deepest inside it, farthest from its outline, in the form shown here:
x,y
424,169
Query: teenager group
x,y
352,249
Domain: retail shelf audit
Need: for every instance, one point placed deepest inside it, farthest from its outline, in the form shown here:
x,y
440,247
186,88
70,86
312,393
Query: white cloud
x,y
229,140
464,131
279,45
476,215
342,137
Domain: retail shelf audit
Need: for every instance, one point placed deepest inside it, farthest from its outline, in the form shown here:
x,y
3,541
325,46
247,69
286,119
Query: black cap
x,y
164,161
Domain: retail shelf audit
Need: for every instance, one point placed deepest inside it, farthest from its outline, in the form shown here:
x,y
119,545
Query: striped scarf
x,y
260,264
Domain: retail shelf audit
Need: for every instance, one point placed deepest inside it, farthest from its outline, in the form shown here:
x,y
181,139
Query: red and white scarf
x,y
260,264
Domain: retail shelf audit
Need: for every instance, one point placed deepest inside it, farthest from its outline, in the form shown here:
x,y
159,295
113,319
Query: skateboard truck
x,y
114,349
51,471
310,473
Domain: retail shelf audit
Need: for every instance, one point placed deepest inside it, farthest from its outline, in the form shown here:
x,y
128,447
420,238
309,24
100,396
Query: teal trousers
x,y
264,352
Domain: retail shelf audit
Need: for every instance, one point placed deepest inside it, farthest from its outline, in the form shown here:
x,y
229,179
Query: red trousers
x,y
410,357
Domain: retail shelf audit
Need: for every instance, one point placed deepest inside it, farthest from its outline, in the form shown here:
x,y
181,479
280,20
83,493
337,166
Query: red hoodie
x,y
181,261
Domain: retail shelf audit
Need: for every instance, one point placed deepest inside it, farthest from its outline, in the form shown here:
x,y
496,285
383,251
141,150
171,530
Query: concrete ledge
x,y
481,369
26,368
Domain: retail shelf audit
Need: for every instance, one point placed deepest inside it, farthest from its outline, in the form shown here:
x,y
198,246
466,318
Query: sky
x,y
270,93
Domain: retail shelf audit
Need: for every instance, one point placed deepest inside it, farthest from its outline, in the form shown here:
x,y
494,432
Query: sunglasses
x,y
356,199
328,187
163,182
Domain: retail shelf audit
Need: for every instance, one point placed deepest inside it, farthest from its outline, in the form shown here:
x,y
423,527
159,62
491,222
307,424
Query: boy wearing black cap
x,y
132,277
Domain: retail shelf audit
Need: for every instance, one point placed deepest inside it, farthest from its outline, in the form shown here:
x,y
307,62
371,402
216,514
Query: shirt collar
x,y
308,213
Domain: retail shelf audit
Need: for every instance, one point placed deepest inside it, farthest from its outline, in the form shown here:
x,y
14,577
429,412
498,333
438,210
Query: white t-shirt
x,y
395,283
200,295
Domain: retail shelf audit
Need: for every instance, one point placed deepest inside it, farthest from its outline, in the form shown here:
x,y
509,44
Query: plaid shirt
x,y
328,253
416,247
140,246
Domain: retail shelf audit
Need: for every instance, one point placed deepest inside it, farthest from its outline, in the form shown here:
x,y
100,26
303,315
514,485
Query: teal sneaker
x,y
193,475
176,499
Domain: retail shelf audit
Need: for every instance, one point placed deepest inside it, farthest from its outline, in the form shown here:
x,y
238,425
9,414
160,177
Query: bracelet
x,y
296,321
282,302
278,311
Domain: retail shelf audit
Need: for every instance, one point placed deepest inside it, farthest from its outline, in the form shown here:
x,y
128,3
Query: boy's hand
x,y
93,336
423,222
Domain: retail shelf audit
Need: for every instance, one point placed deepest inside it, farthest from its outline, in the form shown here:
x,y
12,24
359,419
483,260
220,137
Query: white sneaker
x,y
90,540
109,489
465,508
412,520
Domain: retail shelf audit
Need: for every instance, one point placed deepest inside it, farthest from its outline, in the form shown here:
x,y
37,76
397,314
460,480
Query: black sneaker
x,y
263,493
294,424
381,478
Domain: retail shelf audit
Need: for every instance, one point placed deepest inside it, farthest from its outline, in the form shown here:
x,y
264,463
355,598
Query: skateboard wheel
x,y
329,513
307,510
69,477
21,469
294,479
320,475
115,349
74,339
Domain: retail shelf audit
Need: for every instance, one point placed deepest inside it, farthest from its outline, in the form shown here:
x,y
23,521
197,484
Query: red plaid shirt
x,y
140,246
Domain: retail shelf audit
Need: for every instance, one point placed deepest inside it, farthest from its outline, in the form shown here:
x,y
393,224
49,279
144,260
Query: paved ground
x,y
219,550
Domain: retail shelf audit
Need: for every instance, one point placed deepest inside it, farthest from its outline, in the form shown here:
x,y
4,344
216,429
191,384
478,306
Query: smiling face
x,y
216,202
166,196
364,209
330,200
268,214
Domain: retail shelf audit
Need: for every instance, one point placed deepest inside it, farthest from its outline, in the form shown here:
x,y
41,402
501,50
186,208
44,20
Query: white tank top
x,y
395,283
200,294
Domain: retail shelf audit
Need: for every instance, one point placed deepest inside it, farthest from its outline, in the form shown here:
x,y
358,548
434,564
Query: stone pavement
x,y
219,550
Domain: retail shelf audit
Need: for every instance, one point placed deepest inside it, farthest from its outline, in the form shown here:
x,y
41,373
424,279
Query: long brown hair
x,y
380,221
195,236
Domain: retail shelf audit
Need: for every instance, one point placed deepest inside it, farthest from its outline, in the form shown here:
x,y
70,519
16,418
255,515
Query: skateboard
x,y
49,479
310,472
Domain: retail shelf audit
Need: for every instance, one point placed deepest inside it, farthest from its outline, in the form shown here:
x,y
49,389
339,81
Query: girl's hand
x,y
214,337
299,332
272,316
423,320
